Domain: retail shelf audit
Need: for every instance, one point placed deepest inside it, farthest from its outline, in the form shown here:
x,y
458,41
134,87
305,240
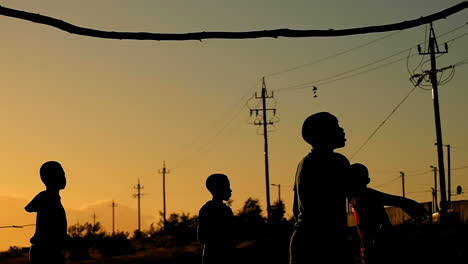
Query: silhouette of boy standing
x,y
215,222
51,222
320,195
374,227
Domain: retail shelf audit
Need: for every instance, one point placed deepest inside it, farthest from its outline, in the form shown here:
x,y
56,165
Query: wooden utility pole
x,y
164,171
138,196
279,190
433,50
449,177
113,216
436,205
94,218
265,124
403,182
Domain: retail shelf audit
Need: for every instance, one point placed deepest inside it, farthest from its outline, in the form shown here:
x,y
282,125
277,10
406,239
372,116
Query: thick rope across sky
x,y
274,33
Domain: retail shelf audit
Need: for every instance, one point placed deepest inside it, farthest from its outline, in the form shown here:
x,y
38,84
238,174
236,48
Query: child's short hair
x,y
215,181
360,174
51,172
315,126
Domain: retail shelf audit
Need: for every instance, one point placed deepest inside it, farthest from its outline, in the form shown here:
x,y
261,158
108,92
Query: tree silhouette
x,y
277,212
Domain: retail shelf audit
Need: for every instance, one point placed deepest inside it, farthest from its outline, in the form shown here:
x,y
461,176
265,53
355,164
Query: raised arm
x,y
411,207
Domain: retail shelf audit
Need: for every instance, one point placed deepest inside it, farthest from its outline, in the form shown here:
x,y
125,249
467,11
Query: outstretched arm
x,y
411,207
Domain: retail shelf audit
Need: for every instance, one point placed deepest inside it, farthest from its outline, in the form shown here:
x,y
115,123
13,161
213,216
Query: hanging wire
x,y
383,122
332,55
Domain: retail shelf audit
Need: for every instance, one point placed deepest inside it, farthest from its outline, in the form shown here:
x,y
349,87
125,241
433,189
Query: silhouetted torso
x,y
215,232
51,225
321,183
373,225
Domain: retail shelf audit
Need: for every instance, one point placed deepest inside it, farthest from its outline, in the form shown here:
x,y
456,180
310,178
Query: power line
x,y
202,147
418,174
383,122
388,182
416,84
331,56
334,78
17,226
461,168
308,84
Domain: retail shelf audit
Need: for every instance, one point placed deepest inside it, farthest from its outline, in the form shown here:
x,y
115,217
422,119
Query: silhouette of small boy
x,y
215,222
373,224
320,195
51,223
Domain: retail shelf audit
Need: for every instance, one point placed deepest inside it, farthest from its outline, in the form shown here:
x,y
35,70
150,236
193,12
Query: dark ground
x,y
414,244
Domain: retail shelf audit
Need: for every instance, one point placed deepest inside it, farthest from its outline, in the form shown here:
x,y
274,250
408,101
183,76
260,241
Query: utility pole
x,y
138,195
402,174
113,217
94,218
433,50
279,190
435,188
449,178
265,123
164,171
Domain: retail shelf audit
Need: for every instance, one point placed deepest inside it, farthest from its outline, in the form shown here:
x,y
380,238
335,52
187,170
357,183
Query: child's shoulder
x,y
340,157
36,202
211,207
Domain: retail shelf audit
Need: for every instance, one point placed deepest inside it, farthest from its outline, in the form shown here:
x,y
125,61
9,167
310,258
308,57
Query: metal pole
x,y
440,151
449,183
403,182
436,205
164,194
265,136
113,218
279,192
139,224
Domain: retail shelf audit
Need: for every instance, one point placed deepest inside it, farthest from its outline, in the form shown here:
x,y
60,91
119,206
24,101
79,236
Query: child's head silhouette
x,y
360,174
53,175
219,186
322,130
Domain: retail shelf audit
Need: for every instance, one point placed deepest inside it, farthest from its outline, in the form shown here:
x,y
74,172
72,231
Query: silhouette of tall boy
x,y
51,222
215,222
320,195
373,224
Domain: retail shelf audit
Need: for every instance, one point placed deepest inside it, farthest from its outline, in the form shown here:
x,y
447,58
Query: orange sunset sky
x,y
111,111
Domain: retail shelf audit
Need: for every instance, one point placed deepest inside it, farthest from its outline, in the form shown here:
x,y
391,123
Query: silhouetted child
x,y
320,195
49,240
373,224
215,222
